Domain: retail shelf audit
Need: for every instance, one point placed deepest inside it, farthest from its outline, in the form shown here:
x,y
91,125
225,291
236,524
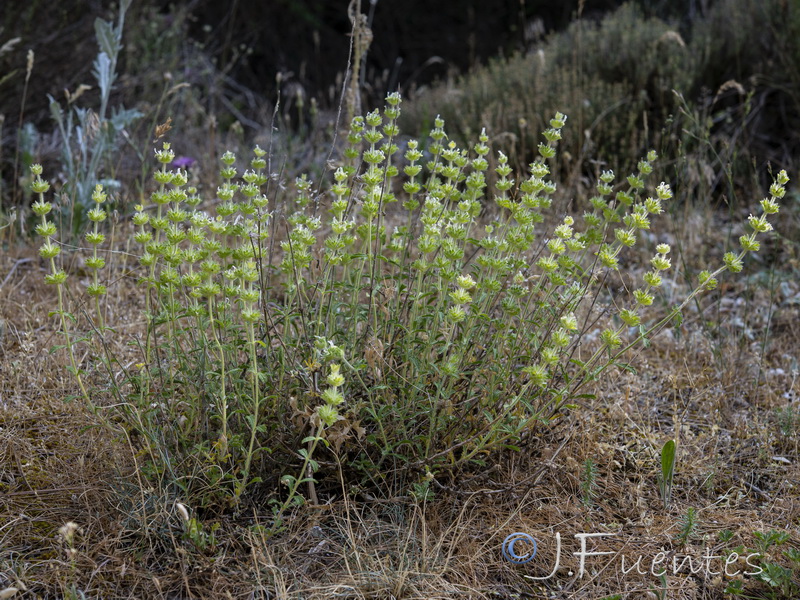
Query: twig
x,y
14,268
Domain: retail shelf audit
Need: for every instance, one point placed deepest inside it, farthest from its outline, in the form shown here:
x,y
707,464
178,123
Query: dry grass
x,y
714,387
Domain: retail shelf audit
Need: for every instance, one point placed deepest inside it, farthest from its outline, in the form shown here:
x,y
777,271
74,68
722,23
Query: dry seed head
x,y
163,128
672,36
182,511
731,84
68,530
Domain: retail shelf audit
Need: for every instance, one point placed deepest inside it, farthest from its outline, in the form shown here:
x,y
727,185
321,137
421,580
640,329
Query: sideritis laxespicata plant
x,y
385,324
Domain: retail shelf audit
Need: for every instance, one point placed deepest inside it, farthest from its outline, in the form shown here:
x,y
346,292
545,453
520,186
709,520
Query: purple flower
x,y
182,162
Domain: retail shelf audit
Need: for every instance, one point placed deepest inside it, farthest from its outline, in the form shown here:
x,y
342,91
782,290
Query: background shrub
x,y
617,78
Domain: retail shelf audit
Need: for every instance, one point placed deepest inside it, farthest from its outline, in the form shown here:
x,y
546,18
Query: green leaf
x,y
667,471
8,76
645,339
107,38
122,117
668,459
775,575
735,587
627,367
792,554
56,112
103,73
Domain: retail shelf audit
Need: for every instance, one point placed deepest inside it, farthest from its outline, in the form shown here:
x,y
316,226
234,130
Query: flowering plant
x,y
395,321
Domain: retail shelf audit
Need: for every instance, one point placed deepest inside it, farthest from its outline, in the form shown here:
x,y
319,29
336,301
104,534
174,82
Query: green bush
x,y
401,335
735,67
605,74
